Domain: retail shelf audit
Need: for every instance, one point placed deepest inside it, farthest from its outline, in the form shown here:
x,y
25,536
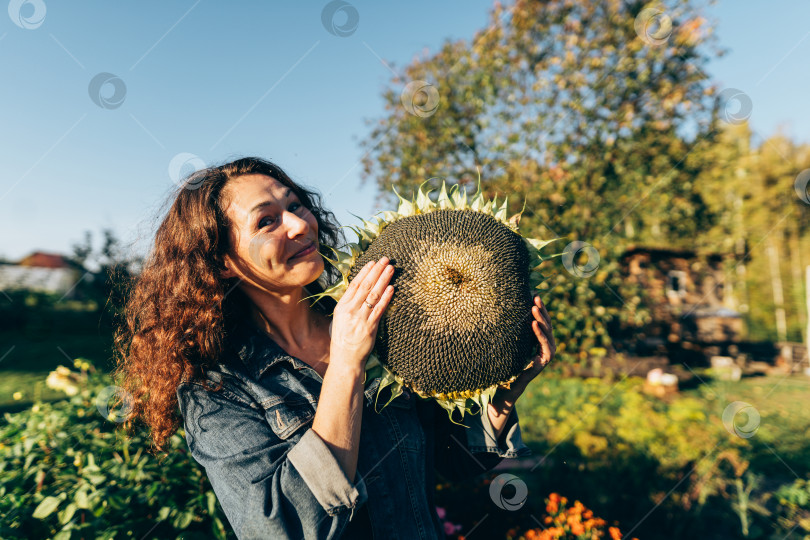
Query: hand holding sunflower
x,y
504,399
541,325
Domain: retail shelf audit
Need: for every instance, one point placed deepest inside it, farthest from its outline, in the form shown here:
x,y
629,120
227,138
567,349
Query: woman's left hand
x,y
504,399
542,330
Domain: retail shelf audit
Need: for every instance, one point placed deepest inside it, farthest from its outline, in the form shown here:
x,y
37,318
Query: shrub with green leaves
x,y
794,504
67,472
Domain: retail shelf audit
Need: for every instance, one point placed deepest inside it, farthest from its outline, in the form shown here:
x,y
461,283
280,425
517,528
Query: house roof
x,y
47,260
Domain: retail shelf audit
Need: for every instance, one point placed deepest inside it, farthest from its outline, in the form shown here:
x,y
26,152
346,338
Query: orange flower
x,y
553,503
595,522
577,508
564,523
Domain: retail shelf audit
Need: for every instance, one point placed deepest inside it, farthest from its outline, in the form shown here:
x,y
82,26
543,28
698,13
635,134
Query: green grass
x,y
30,384
784,400
30,357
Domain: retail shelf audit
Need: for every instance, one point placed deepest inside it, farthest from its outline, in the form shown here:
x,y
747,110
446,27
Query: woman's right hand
x,y
354,323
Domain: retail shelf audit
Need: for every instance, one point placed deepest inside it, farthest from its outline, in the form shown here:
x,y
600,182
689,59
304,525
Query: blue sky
x,y
222,80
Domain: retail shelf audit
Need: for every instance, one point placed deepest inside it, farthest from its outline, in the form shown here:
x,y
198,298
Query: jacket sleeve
x,y
471,449
267,486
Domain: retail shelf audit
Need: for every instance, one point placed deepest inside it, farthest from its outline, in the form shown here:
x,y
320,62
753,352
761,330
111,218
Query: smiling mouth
x,y
306,251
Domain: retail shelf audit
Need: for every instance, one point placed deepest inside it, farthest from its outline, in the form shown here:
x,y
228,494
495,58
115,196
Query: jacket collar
x,y
258,352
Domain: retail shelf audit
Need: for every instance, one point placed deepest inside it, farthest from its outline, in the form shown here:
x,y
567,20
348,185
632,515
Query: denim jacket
x,y
276,478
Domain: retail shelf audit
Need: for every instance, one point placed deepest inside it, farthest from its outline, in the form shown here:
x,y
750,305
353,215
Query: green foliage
x,y
669,466
564,104
67,472
794,500
601,421
749,188
36,329
612,141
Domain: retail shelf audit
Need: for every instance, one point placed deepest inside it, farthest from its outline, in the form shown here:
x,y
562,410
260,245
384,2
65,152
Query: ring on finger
x,y
371,306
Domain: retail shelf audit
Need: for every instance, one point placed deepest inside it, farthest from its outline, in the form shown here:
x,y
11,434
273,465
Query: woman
x,y
271,388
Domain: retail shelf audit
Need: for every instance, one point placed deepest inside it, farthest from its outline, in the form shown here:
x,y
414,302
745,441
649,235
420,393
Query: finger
x,y
545,326
542,307
377,290
379,308
351,290
542,321
539,333
545,347
368,281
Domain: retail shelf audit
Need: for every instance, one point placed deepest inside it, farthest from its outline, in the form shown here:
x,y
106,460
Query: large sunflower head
x,y
459,323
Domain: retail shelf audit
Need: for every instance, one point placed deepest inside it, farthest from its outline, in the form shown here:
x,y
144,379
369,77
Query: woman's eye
x,y
269,220
266,221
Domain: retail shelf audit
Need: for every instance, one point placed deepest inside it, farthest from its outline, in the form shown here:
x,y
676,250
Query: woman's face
x,y
274,238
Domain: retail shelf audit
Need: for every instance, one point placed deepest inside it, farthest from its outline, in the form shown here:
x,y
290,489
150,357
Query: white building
x,y
46,272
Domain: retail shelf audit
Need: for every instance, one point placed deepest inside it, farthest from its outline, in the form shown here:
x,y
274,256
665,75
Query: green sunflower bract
x,y
459,323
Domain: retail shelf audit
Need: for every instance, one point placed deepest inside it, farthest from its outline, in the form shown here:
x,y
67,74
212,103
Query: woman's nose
x,y
296,226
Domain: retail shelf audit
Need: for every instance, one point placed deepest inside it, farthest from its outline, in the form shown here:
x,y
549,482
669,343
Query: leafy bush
x,y
794,501
68,472
657,469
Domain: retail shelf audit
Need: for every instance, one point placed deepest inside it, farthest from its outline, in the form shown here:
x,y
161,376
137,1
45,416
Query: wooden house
x,y
689,295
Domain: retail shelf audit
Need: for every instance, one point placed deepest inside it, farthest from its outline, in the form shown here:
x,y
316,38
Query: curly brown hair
x,y
178,309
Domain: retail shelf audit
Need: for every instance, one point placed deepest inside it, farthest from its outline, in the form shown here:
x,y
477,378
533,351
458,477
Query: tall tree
x,y
597,113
